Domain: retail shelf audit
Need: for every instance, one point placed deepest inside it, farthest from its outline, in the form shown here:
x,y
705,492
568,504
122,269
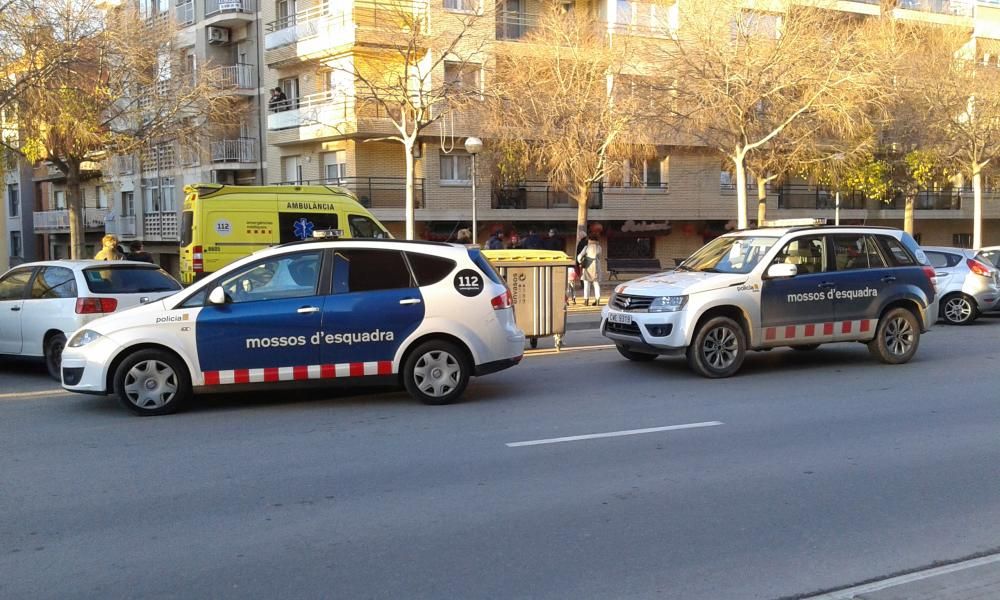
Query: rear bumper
x,y
496,365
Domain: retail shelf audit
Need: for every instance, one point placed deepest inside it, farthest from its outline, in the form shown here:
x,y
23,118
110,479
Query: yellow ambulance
x,y
223,223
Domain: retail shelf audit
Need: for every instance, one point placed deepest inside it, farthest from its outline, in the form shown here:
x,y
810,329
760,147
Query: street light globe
x,y
473,145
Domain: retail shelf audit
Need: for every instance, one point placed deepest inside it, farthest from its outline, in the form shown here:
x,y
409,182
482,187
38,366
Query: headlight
x,y
668,303
83,337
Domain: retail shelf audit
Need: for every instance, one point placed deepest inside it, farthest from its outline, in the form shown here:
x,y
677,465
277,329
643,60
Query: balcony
x,y
57,221
958,8
541,195
514,25
374,192
230,12
240,150
160,227
235,77
122,227
810,197
184,14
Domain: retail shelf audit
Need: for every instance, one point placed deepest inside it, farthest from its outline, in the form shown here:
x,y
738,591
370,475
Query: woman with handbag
x,y
590,266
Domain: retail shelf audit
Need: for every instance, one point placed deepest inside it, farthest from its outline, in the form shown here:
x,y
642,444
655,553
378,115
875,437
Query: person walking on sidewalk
x,y
590,269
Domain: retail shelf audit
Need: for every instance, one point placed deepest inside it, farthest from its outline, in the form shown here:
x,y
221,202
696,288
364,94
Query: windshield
x,y
736,254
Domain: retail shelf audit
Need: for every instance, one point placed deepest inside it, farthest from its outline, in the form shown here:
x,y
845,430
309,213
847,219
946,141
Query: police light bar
x,y
328,233
805,222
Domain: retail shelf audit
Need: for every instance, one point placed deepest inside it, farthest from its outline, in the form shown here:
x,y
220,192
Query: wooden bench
x,y
632,265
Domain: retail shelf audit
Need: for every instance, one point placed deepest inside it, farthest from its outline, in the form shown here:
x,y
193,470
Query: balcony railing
x,y
161,226
514,25
960,8
816,197
185,14
213,7
374,192
58,220
123,227
539,194
240,150
319,20
239,76
120,165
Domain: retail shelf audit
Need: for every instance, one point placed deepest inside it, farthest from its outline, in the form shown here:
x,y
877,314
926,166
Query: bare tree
x,y
118,87
562,103
746,79
403,78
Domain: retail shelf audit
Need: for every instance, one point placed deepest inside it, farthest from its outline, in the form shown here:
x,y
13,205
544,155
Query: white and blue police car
x,y
428,314
764,288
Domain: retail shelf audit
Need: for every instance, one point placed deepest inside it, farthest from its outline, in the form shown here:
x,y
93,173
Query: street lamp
x,y
473,146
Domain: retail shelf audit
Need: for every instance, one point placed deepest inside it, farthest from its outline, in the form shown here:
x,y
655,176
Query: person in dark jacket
x,y
136,252
532,241
553,242
496,241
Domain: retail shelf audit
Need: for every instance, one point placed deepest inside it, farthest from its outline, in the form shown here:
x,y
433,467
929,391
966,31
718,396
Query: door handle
x,y
826,285
888,279
308,310
15,308
941,274
406,301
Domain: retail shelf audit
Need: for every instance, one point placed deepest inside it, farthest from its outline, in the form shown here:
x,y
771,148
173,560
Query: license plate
x,y
622,318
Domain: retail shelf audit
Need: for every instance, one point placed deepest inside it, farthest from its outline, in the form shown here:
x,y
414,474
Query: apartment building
x,y
683,197
17,217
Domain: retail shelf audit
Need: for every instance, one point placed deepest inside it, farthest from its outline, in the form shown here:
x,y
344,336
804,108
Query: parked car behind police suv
x,y
967,285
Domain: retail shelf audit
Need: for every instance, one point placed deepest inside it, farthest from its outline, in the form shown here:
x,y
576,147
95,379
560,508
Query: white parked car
x,y
426,315
43,303
991,255
967,285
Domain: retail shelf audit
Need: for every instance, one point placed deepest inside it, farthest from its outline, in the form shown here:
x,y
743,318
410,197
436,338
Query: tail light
x,y
978,268
504,300
932,276
91,306
197,260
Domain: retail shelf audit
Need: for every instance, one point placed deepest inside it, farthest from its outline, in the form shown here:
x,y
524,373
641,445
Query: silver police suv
x,y
791,286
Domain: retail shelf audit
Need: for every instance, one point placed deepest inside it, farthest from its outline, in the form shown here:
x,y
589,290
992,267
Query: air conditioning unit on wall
x,y
218,35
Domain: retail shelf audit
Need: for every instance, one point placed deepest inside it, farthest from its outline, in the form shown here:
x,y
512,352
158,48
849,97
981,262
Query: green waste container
x,y
537,282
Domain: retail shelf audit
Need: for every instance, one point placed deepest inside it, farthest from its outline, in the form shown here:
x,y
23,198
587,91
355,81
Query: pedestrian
x,y
496,241
109,249
278,101
571,278
590,269
532,241
464,236
136,252
553,242
515,242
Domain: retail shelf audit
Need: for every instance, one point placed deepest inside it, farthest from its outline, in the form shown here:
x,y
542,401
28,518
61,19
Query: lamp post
x,y
473,146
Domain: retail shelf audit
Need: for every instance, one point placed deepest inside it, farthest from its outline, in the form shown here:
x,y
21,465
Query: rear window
x,y
484,266
943,260
429,269
187,228
990,256
129,280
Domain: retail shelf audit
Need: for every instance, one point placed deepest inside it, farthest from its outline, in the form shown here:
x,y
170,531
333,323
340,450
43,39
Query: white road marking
x,y
594,436
856,591
38,394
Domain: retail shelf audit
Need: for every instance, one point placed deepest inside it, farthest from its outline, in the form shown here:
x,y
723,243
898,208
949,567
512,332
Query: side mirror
x,y
781,271
217,296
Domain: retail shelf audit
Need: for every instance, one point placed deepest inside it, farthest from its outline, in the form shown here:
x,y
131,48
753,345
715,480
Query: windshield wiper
x,y
709,270
683,268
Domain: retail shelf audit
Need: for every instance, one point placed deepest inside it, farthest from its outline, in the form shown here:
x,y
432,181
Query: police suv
x,y
430,314
792,286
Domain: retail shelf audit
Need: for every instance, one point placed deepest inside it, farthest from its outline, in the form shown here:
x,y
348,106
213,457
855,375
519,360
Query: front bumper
x,y
662,333
84,369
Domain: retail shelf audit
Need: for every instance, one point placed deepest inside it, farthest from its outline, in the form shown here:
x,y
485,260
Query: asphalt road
x,y
827,469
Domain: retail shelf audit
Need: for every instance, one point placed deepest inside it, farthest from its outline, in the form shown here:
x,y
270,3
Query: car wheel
x,y
896,337
718,349
806,347
436,372
633,355
54,347
152,382
958,309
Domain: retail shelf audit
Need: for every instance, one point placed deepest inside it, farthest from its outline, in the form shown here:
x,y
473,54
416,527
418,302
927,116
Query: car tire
x,y
896,337
633,355
718,348
53,350
436,372
958,309
806,347
152,382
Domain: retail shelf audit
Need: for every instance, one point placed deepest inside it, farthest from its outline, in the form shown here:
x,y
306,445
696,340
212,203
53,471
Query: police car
x,y
779,286
430,314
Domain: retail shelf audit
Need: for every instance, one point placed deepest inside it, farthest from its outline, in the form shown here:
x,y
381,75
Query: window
x,y
456,168
128,204
285,9
427,269
168,195
290,87
896,252
807,253
651,172
291,169
370,270
335,166
942,260
13,200
151,195
13,285
961,240
363,227
856,252
129,280
990,256
462,77
461,5
54,282
630,247
102,198
300,226
59,200
159,195
275,278
15,243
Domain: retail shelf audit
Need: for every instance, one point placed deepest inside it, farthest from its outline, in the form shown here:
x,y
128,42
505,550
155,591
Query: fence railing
x,y
324,108
161,226
374,192
58,220
213,7
241,150
540,194
960,8
819,197
239,76
514,25
316,20
184,14
123,227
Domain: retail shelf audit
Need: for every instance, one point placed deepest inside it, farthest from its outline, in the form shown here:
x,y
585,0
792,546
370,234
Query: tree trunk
x,y
761,201
582,196
977,207
77,211
741,190
908,214
410,205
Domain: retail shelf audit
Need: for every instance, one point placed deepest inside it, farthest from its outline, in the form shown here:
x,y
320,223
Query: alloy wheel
x,y
720,347
899,336
958,309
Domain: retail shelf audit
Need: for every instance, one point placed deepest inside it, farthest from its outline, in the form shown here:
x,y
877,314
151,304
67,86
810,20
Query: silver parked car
x,y
990,255
967,285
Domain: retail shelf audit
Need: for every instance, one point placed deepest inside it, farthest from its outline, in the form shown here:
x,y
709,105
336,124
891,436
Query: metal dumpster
x,y
537,281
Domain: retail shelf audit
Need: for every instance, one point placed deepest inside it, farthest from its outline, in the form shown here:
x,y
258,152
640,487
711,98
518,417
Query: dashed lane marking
x,y
594,436
37,394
